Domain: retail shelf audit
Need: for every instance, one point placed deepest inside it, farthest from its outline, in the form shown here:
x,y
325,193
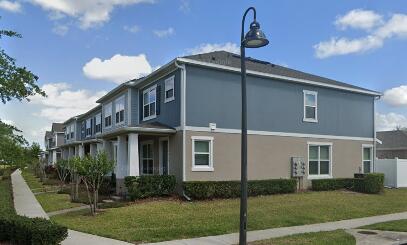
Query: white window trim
x,y
321,176
101,123
104,115
122,98
147,91
170,79
305,93
202,168
86,127
371,157
143,143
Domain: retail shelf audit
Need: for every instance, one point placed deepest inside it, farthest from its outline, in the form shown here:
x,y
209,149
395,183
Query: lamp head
x,y
255,38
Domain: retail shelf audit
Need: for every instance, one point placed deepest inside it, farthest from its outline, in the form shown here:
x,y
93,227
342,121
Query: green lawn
x,y
399,225
338,237
167,220
6,197
35,184
53,202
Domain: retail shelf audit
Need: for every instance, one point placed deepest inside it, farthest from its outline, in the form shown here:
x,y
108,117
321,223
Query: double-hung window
x,y
88,127
310,106
72,131
108,115
149,103
169,89
319,160
367,159
147,159
98,123
67,132
119,110
202,153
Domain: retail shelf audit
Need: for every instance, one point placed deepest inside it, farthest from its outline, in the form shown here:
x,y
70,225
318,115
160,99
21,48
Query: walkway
x,y
26,204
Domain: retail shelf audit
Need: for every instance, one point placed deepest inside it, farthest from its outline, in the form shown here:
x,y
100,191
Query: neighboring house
x,y
393,144
53,140
184,119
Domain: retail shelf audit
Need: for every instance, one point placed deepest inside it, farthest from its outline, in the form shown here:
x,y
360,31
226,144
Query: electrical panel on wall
x,y
298,167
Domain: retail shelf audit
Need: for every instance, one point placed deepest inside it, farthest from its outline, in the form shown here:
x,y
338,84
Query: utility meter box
x,y
298,167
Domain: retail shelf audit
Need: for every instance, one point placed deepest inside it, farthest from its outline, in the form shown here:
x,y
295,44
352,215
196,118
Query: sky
x,y
80,49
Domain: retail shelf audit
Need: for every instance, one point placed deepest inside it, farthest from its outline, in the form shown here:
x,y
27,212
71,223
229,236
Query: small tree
x,y
62,167
93,170
74,177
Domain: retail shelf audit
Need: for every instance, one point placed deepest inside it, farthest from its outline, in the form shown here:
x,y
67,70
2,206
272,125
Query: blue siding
x,y
170,112
90,116
273,105
112,100
134,106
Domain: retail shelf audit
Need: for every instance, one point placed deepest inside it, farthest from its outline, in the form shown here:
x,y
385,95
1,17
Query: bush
x,y
372,183
37,231
231,189
150,186
51,171
108,185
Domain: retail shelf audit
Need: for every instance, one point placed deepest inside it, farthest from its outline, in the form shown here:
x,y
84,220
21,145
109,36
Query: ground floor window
x,y
367,159
147,158
319,159
202,153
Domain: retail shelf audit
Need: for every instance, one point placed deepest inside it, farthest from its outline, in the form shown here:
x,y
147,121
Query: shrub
x,y
51,171
231,189
23,230
150,186
332,184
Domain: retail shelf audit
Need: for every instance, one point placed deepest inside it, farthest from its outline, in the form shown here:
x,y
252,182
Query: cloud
x,y
359,19
396,26
10,6
184,6
60,30
89,13
132,29
119,68
62,102
208,47
164,33
396,96
390,121
9,122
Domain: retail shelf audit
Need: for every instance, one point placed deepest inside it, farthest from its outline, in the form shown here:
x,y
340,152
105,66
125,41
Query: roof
x,y
228,59
48,134
94,109
396,139
57,127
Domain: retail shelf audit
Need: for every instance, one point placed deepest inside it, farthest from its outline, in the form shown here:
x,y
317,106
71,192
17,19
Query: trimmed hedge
x,y
37,231
372,183
150,186
231,189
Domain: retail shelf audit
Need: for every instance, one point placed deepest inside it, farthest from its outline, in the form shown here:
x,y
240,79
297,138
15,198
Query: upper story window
x,y
367,158
202,153
72,131
98,123
319,160
119,110
310,106
108,115
169,89
67,132
149,103
88,127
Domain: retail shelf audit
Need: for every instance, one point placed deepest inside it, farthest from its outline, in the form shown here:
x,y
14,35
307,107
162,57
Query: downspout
x,y
183,121
374,132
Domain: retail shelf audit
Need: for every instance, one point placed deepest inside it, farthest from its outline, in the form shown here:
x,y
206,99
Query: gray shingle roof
x,y
57,127
233,60
396,139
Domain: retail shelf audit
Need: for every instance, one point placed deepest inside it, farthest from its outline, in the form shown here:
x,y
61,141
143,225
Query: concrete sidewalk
x,y
26,204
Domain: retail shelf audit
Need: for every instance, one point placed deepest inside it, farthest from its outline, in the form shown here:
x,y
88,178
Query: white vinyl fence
x,y
395,171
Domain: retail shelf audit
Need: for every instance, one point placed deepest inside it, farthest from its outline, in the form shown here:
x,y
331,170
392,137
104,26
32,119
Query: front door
x,y
164,156
147,158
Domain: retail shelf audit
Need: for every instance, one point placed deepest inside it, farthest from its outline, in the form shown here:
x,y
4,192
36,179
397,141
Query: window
x,y
72,131
169,89
202,156
98,123
319,160
149,103
147,158
67,132
88,127
310,106
119,109
367,159
108,115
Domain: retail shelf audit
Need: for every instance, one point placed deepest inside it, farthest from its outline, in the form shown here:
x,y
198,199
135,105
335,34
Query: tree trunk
x,y
95,199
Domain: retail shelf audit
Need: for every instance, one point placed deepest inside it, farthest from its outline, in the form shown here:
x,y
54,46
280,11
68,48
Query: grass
x,y
338,237
6,196
399,225
35,184
53,202
167,220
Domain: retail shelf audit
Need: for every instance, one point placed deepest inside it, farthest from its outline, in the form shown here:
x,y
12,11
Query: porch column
x,y
134,166
121,157
99,147
93,150
54,157
81,152
108,148
70,152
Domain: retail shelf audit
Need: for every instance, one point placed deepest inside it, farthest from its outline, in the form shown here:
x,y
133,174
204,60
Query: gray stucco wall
x,y
170,111
214,96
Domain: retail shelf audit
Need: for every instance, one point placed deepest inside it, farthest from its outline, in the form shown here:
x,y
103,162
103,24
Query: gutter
x,y
183,115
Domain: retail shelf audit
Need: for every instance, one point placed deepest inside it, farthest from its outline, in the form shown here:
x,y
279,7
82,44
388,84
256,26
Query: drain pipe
x,y
186,196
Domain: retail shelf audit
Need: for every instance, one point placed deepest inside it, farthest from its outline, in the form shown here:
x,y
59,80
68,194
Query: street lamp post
x,y
254,38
